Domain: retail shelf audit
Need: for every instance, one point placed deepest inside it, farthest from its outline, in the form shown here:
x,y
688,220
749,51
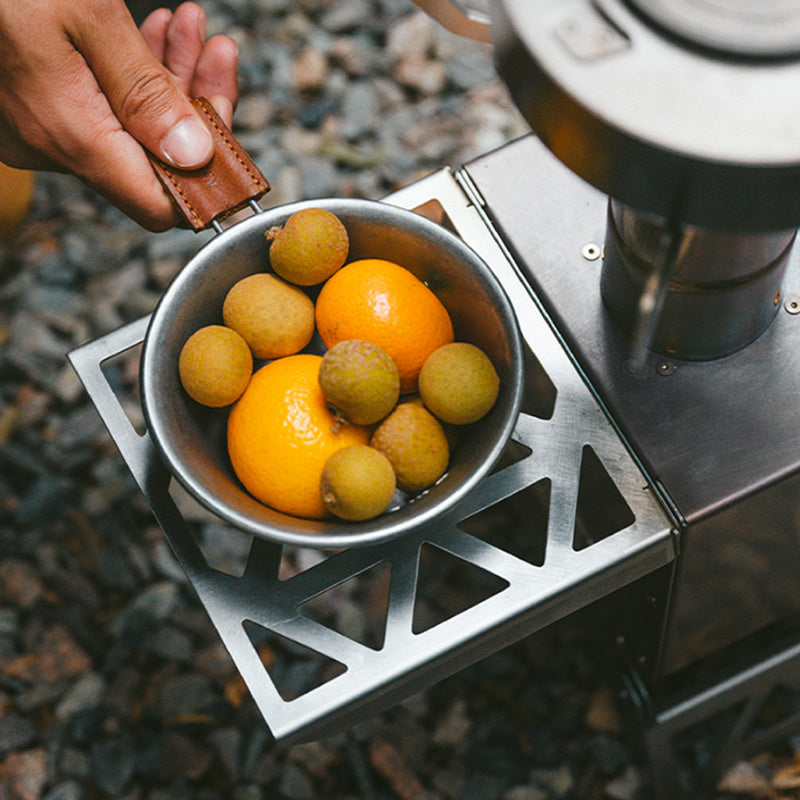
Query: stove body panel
x,y
721,437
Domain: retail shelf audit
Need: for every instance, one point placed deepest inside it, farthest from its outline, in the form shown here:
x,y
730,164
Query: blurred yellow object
x,y
16,195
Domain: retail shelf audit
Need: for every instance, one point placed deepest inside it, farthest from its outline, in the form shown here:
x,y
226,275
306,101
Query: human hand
x,y
82,90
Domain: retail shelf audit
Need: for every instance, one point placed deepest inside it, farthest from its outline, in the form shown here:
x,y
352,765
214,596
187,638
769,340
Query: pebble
x,y
16,733
626,786
295,784
114,762
84,694
23,774
66,790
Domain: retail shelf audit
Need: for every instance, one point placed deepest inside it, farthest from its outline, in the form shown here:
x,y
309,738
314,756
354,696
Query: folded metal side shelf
x,y
531,595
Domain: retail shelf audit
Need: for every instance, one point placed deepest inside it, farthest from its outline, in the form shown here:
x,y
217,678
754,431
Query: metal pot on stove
x,y
684,114
191,438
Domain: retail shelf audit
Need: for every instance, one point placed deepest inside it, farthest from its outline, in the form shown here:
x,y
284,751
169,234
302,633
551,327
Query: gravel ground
x,y
113,683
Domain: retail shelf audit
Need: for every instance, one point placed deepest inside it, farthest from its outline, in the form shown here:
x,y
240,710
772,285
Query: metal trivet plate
x,y
587,518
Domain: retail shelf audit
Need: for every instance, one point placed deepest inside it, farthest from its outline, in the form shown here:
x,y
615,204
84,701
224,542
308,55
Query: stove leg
x,y
691,741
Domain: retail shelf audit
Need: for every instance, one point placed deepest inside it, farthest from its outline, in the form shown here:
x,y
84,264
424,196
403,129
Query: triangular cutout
x,y
366,595
601,509
121,372
294,668
513,453
448,585
516,525
539,397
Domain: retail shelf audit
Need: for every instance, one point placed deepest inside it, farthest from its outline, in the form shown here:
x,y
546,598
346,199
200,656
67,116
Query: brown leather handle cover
x,y
227,183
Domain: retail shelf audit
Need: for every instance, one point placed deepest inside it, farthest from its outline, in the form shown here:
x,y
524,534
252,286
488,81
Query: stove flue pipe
x,y
685,115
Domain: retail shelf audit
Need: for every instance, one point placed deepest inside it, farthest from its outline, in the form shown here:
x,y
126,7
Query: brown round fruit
x,y
415,444
357,483
274,317
458,383
215,366
309,247
360,381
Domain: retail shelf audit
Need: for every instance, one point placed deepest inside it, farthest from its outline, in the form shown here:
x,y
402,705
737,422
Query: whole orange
x,y
281,433
382,302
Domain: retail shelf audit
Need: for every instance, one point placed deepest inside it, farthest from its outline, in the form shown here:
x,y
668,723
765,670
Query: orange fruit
x,y
383,303
281,433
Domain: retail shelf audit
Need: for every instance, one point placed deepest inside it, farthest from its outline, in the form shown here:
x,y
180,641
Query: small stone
x,y
23,774
227,742
559,781
182,757
423,74
114,763
454,728
411,36
360,111
187,697
9,620
255,111
39,697
626,786
56,656
19,583
214,661
391,764
85,694
74,763
744,778
16,733
351,55
602,714
66,790
43,498
295,784
309,70
67,386
157,602
346,14
609,754
170,643
315,757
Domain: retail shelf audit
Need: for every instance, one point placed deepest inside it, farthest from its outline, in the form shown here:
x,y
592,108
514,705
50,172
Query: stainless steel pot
x,y
192,439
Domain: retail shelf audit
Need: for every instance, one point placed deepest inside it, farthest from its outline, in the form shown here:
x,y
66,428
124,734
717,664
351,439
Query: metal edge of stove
x,y
534,595
692,743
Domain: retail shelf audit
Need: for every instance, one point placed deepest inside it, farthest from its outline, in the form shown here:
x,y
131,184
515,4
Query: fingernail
x,y
188,144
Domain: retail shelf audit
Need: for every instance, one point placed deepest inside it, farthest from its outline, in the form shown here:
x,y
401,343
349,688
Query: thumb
x,y
144,96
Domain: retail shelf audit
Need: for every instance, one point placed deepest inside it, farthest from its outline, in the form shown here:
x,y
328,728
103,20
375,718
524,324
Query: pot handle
x,y
230,181
459,18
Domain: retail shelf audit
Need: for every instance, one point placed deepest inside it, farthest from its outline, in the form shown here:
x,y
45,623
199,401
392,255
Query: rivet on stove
x,y
792,305
591,251
665,368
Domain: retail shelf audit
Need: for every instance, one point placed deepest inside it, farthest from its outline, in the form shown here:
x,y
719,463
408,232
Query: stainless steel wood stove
x,y
643,233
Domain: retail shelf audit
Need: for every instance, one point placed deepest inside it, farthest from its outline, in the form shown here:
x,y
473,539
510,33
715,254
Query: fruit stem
x,y
273,232
339,420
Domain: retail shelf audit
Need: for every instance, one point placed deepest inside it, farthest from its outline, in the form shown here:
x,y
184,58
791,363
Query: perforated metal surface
x,y
565,519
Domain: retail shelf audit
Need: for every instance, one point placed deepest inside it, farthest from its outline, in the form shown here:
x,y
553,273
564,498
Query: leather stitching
x,y
231,147
185,199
